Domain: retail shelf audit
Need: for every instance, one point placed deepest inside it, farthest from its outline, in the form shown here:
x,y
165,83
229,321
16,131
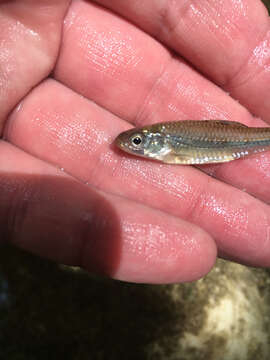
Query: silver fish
x,y
195,141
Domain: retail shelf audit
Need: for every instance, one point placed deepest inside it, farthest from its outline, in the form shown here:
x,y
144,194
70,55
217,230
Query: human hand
x,y
130,218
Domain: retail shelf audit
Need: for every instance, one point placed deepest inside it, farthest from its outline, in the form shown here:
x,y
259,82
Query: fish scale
x,y
194,141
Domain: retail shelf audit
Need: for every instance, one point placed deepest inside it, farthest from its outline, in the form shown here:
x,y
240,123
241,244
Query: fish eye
x,y
136,140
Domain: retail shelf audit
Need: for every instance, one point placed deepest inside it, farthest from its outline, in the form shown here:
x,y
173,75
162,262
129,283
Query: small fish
x,y
194,142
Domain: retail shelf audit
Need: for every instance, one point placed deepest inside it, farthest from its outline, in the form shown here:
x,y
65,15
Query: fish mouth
x,y
123,143
120,141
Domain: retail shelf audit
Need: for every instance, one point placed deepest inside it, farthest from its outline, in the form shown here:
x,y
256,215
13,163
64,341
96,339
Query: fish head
x,y
141,142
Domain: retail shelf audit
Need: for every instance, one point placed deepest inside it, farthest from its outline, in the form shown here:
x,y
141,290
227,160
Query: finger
x,y
102,49
50,214
59,126
30,32
130,74
250,174
227,41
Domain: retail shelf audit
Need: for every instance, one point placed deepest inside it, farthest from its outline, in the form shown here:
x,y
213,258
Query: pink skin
x,y
130,218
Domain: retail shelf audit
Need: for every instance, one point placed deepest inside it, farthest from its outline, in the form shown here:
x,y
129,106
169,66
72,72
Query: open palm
x,y
73,74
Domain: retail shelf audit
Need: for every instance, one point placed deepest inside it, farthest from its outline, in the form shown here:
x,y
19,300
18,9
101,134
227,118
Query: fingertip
x,y
159,248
